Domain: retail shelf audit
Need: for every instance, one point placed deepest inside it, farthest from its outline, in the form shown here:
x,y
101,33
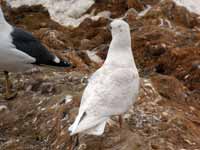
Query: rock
x,y
3,108
135,4
68,15
85,44
52,38
131,16
170,88
116,1
180,62
175,13
155,50
48,88
77,60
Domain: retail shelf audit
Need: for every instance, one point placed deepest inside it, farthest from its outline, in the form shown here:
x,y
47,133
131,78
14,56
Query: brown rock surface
x,y
135,4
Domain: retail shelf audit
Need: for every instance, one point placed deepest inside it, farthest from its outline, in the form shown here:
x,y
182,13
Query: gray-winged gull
x,y
20,50
113,88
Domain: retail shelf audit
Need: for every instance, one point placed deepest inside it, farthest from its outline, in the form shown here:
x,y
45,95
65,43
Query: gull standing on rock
x,y
113,88
20,50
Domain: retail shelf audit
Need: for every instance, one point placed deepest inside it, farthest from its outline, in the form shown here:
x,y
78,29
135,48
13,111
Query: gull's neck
x,y
120,52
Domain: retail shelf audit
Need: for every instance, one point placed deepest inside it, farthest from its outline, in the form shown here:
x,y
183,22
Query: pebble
x,y
3,108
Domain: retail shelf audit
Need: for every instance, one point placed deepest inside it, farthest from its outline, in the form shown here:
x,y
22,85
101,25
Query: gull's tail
x,y
88,124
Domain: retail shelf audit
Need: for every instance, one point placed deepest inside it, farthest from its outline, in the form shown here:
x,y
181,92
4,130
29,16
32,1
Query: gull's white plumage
x,y
11,58
113,88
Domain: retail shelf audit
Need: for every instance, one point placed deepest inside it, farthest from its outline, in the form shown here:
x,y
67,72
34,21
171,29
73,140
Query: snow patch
x,y
94,57
18,3
68,99
191,5
68,12
143,13
65,12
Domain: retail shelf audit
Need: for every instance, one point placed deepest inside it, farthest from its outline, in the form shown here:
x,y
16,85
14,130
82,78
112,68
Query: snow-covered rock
x,y
191,5
68,12
65,12
18,3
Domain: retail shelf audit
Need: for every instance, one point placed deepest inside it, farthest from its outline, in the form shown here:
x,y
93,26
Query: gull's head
x,y
119,27
120,33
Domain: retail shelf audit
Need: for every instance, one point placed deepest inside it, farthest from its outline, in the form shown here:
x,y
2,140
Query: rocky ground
x,y
166,47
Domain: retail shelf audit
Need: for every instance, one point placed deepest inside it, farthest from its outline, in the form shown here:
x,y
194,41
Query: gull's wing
x,y
12,55
27,43
112,88
95,78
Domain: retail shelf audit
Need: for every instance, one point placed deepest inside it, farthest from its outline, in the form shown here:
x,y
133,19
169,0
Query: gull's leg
x,y
74,142
7,83
120,126
120,121
8,94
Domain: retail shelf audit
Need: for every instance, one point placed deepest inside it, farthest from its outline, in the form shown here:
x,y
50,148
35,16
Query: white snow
x,y
191,5
18,3
65,12
94,57
143,13
68,12
164,22
68,99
